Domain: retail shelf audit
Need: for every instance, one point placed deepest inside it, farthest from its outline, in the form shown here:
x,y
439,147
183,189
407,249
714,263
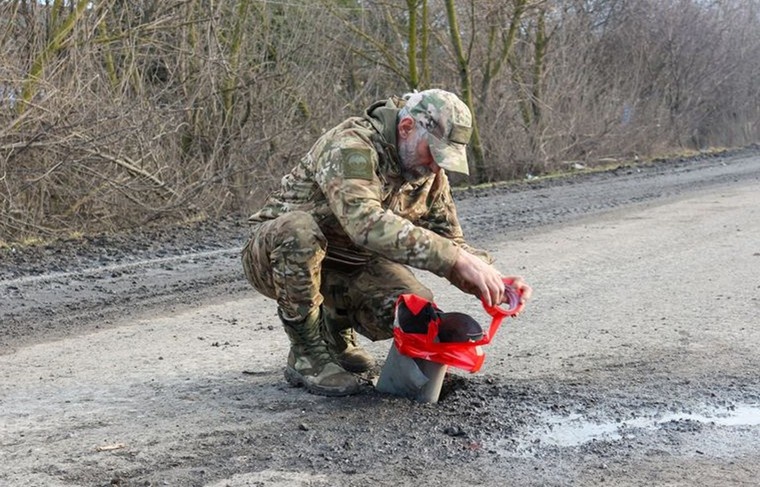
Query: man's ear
x,y
405,127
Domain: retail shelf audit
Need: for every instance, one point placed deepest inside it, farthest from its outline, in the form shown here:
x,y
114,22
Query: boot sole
x,y
298,380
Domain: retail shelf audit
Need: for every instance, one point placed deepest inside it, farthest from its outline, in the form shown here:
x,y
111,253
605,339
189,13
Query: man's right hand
x,y
474,276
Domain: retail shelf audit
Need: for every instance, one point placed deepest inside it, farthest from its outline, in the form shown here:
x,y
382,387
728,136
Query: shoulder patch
x,y
357,164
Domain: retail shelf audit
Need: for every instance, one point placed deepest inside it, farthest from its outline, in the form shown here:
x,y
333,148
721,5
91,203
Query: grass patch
x,y
37,241
569,168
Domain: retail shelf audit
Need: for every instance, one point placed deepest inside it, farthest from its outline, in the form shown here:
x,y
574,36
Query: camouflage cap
x,y
448,122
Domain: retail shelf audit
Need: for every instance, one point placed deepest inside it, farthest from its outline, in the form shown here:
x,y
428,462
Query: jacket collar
x,y
383,116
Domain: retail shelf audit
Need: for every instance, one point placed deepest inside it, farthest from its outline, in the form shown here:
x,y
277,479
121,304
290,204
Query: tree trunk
x,y
465,78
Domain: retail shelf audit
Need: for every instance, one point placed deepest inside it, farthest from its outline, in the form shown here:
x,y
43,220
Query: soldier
x,y
332,245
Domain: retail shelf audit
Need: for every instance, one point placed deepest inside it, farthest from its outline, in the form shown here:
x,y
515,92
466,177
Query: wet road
x,y
635,364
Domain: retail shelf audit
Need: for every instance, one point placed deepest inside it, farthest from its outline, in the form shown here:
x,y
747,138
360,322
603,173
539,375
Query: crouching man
x,y
334,244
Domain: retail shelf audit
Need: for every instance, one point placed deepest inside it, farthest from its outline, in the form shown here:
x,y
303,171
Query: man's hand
x,y
473,276
521,287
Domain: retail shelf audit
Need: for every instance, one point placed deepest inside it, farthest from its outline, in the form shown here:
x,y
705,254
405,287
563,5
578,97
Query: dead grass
x,y
120,115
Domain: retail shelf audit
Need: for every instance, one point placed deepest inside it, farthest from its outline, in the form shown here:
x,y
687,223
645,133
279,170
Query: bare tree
x,y
115,113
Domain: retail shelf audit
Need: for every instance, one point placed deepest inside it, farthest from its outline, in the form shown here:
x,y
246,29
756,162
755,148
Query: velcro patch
x,y
357,164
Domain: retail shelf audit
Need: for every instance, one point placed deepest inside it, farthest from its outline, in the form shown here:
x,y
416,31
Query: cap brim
x,y
451,156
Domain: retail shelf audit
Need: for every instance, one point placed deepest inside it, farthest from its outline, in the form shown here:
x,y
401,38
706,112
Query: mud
x,y
144,359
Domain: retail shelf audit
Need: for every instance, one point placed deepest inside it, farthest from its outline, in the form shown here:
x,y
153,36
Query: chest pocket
x,y
407,201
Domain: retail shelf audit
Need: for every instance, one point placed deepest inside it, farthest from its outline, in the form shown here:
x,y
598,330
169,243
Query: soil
x,y
144,358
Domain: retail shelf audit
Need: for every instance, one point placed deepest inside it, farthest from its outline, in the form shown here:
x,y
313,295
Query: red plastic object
x,y
467,355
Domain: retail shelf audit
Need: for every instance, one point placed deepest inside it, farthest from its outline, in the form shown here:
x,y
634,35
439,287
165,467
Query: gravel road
x,y
144,359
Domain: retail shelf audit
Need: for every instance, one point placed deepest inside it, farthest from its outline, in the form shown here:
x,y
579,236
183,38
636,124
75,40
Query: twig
x,y
26,145
131,167
115,446
46,174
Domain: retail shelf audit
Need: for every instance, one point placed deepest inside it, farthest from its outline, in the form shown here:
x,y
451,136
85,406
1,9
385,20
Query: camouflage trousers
x,y
283,260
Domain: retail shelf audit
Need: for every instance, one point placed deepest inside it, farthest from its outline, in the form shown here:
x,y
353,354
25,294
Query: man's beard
x,y
411,169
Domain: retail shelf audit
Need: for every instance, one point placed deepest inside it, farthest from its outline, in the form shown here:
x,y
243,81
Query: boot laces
x,y
314,346
349,336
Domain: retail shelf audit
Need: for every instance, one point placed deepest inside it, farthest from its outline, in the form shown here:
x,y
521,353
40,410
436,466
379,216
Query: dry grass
x,y
117,117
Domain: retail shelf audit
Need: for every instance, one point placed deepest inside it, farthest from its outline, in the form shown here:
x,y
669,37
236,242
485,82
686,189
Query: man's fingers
x,y
525,290
497,290
491,297
486,295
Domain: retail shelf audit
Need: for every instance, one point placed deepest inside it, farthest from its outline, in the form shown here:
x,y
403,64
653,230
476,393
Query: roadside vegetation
x,y
116,114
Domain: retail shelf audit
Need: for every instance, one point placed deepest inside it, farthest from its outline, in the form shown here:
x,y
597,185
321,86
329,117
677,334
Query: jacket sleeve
x,y
346,174
442,217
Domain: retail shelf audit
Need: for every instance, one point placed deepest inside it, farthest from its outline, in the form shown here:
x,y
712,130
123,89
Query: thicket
x,y
116,113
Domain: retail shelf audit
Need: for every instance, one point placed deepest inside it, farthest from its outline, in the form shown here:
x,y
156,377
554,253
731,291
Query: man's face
x,y
417,162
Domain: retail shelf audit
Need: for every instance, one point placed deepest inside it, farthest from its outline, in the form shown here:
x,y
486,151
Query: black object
x,y
459,327
416,323
453,327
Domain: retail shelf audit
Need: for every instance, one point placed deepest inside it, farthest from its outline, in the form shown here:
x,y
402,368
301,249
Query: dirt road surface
x,y
144,360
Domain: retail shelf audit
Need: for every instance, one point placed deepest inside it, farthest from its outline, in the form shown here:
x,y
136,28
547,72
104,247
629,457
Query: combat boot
x,y
310,364
342,341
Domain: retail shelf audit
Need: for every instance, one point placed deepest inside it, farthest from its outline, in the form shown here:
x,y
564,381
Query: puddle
x,y
575,430
745,415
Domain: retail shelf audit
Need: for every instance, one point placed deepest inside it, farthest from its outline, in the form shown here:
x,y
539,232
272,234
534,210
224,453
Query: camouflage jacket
x,y
350,182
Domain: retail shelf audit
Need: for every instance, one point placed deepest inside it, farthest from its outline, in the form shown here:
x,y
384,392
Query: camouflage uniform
x,y
345,224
